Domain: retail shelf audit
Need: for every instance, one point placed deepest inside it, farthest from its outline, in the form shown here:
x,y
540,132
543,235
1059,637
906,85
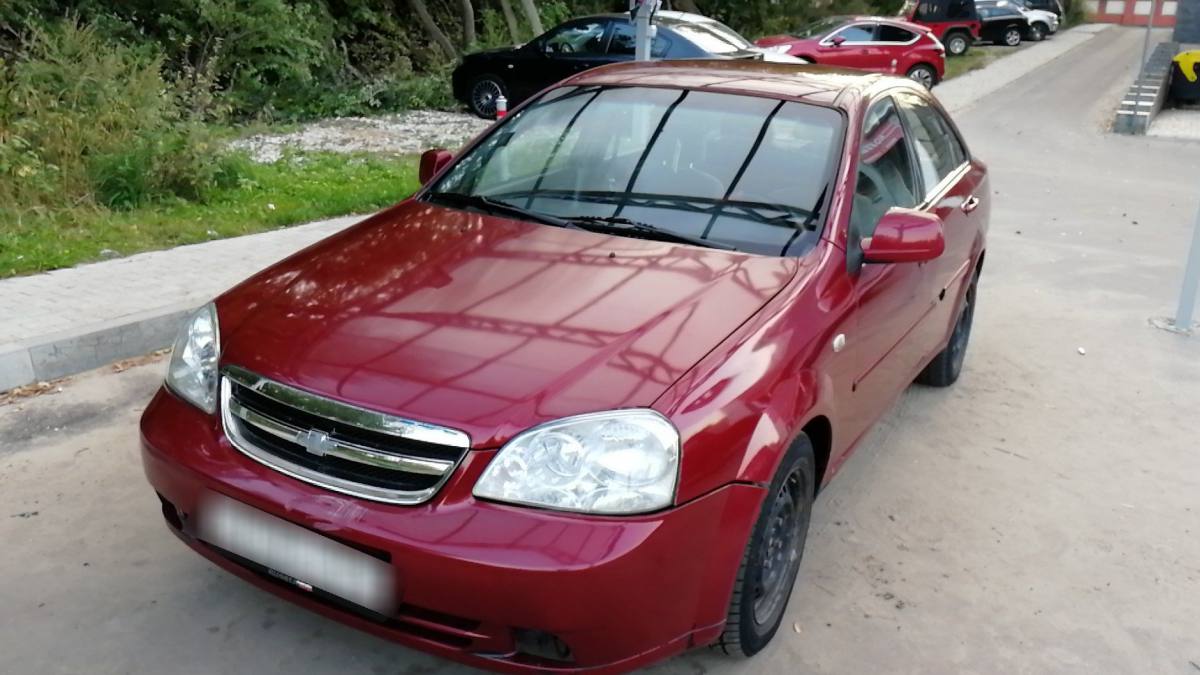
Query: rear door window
x,y
624,42
889,33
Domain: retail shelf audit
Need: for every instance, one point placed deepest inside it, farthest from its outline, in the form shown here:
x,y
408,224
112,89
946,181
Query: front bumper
x,y
474,576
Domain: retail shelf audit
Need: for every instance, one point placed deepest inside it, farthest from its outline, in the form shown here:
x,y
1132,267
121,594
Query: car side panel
x,y
740,407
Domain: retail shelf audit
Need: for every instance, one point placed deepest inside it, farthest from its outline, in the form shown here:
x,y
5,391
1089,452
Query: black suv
x,y
1002,24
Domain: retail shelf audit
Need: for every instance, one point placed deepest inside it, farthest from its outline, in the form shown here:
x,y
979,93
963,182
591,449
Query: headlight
x,y
192,373
619,462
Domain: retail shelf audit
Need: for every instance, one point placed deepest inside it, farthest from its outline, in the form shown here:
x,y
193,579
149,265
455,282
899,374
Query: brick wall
x,y
1187,21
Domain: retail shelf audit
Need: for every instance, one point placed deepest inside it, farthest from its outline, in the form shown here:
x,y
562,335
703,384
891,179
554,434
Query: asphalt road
x,y
1042,516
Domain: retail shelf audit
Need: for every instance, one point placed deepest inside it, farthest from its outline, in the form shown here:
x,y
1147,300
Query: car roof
x,y
666,17
821,85
914,27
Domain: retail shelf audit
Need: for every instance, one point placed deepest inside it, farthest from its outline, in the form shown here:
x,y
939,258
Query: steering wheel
x,y
566,48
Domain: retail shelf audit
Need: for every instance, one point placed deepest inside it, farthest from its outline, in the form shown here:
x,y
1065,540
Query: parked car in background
x,y
568,407
953,22
1041,23
878,44
580,44
1054,6
1003,24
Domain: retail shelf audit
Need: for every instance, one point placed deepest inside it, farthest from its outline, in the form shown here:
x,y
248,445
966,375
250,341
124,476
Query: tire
x,y
923,74
775,549
1038,32
945,368
1011,37
957,43
482,94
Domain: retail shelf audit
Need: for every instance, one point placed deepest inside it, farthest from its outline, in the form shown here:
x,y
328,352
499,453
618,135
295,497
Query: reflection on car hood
x,y
490,325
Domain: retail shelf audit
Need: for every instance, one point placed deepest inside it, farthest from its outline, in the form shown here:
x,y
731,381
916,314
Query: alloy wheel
x,y
922,76
484,96
1012,37
957,45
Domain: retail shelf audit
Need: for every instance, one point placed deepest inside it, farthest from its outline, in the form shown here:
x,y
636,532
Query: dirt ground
x,y
1042,516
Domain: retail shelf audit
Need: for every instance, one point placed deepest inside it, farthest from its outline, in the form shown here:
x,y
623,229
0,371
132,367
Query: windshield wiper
x,y
498,207
619,224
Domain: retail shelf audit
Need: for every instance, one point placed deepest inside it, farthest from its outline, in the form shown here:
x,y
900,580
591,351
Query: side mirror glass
x,y
433,161
905,236
837,40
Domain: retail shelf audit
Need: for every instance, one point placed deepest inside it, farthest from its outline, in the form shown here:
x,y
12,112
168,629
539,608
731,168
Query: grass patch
x,y
268,196
976,58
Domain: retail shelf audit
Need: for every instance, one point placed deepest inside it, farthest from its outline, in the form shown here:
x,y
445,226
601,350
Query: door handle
x,y
970,204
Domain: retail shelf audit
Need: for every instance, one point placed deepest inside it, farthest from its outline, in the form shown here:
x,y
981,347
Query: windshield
x,y
739,171
820,28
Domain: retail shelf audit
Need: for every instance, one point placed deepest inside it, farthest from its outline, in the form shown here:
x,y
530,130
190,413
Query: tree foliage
x,y
287,59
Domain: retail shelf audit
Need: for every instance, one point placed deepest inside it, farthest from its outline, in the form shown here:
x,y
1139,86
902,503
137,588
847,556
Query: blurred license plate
x,y
301,557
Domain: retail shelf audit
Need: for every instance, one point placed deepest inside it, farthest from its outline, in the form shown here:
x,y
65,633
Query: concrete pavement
x,y
1039,517
68,321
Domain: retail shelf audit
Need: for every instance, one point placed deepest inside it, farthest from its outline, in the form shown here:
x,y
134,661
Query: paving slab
x,y
70,320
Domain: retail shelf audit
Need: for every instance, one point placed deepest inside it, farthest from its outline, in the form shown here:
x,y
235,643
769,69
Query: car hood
x,y
490,325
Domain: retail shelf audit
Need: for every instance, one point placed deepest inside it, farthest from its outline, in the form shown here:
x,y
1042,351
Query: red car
x,y
569,405
955,22
868,43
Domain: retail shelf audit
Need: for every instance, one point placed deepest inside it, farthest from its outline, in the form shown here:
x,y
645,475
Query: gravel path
x,y
401,134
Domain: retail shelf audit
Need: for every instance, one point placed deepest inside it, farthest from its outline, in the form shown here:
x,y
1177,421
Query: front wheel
x,y
772,558
957,44
1011,37
945,368
1037,32
924,74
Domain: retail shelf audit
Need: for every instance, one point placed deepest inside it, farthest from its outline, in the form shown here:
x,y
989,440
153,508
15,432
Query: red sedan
x,y
868,43
568,406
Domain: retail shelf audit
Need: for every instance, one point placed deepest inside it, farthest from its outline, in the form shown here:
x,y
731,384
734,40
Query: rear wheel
x,y
924,74
772,558
945,368
483,94
957,43
1011,37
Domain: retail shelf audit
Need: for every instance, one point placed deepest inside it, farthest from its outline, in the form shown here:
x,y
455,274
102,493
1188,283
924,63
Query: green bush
x,y
84,120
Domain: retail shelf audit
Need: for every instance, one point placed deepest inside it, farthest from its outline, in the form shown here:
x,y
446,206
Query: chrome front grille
x,y
335,445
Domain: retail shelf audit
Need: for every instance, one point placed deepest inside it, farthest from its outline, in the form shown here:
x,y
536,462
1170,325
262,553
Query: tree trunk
x,y
531,14
468,20
514,28
426,20
688,6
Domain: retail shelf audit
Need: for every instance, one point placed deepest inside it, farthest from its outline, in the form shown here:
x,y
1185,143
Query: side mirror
x,y
433,161
905,236
837,40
